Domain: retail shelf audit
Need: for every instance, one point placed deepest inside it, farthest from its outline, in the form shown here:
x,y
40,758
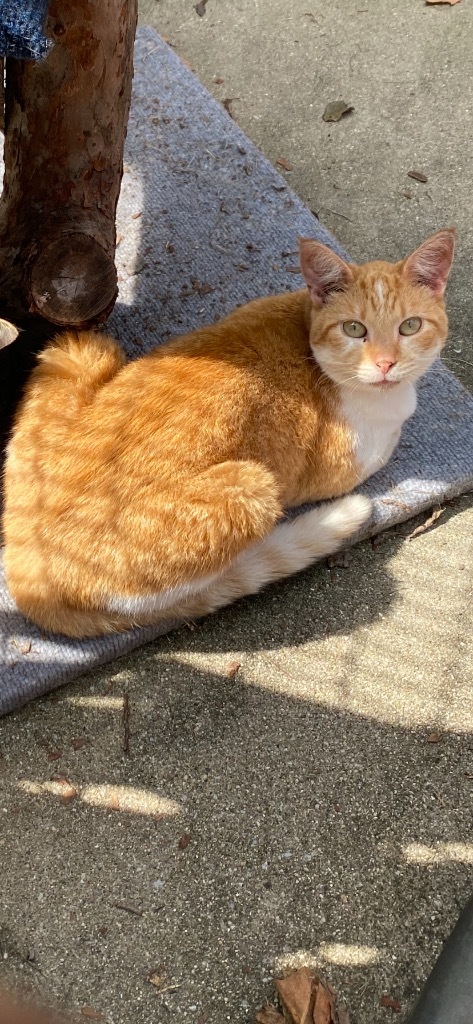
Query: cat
x,y
156,489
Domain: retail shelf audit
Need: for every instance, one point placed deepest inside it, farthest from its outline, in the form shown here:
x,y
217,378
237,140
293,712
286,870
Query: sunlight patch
x,y
439,853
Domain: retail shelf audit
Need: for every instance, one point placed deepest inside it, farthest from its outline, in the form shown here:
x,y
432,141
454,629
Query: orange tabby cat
x,y
155,489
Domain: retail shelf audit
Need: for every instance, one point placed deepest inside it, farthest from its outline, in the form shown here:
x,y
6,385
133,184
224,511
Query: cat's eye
x,y
411,325
354,329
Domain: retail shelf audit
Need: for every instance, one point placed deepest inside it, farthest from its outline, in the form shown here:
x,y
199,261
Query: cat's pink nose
x,y
385,365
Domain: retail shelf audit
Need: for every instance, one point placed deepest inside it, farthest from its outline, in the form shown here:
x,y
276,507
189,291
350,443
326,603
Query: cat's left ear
x,y
430,264
323,271
8,333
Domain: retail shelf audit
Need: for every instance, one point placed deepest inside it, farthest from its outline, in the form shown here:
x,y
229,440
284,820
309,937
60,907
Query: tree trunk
x,y
65,127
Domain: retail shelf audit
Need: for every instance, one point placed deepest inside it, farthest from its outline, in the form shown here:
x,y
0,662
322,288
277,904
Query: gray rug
x,y
206,224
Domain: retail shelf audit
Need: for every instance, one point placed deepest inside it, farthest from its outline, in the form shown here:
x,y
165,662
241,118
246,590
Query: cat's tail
x,y
290,547
85,359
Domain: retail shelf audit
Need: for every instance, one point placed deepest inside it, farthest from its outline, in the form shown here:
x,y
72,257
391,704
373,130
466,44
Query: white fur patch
x,y
148,604
376,417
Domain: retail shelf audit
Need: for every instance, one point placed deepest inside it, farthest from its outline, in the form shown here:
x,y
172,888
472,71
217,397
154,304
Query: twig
x,y
129,909
126,724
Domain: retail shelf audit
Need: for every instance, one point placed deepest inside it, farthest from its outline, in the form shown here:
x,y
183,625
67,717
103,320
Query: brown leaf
x,y
307,1000
91,1014
227,104
184,841
437,512
269,1015
135,216
418,176
391,1003
232,669
157,978
336,110
339,561
283,163
54,755
79,742
434,737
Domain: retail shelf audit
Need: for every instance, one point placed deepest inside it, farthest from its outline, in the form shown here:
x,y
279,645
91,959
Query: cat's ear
x,y
8,333
323,271
430,264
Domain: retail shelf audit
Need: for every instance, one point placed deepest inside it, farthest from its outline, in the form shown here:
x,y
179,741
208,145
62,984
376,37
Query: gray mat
x,y
206,224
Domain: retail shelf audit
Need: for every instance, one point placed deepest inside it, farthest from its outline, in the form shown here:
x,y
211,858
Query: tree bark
x,y
65,127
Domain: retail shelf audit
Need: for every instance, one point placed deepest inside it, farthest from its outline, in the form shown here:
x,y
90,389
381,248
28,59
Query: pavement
x,y
290,781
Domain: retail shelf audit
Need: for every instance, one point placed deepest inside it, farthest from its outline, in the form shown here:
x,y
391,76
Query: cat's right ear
x,y
323,271
8,333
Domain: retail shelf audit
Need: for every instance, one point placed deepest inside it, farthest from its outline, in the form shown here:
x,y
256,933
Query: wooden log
x,y
65,127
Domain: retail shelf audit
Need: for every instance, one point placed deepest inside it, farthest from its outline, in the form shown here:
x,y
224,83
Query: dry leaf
x,y
434,737
54,755
283,163
437,512
391,1003
418,176
227,104
339,561
184,841
91,1014
156,978
219,81
306,1000
336,110
79,742
269,1015
232,669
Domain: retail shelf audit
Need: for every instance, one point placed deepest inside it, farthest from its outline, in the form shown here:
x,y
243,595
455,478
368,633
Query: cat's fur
x,y
153,490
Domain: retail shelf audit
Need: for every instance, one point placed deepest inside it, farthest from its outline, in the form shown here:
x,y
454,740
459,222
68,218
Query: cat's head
x,y
376,324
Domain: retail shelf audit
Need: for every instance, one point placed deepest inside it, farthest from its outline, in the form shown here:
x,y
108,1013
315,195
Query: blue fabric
x,y
22,29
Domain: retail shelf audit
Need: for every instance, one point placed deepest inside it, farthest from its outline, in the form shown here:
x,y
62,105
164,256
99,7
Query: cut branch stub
x,y
65,127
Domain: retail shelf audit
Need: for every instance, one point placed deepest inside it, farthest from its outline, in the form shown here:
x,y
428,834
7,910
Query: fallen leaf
x,y
219,81
81,741
437,512
434,737
227,104
184,841
200,8
339,561
91,1014
283,163
269,1015
157,978
305,999
232,669
64,789
135,216
336,110
54,755
418,176
450,2
391,1003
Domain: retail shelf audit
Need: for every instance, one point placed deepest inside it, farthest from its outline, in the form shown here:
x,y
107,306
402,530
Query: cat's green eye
x,y
411,325
354,329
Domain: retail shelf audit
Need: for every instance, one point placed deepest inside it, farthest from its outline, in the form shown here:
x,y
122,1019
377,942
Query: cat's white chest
x,y
375,419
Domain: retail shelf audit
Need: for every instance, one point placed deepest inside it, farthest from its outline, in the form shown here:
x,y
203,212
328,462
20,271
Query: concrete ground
x,y
313,805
